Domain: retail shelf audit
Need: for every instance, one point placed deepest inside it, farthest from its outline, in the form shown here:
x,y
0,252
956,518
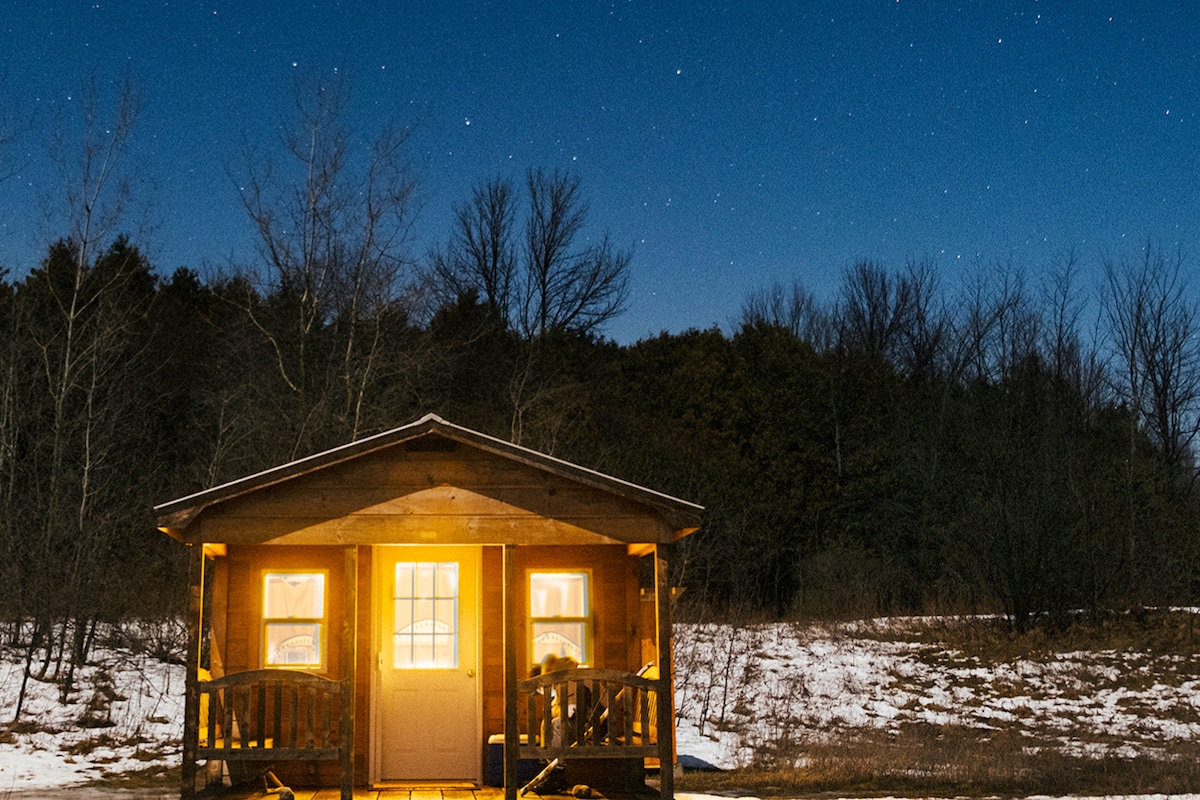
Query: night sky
x,y
732,145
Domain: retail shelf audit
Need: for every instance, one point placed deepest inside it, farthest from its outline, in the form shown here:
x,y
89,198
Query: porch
x,y
394,793
263,717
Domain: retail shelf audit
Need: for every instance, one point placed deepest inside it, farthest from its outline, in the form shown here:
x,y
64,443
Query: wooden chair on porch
x,y
610,715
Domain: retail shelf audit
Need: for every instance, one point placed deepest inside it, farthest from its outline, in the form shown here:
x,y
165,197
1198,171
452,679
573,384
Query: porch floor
x,y
244,793
484,793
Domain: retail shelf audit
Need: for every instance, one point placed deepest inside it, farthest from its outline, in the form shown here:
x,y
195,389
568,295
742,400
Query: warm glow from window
x,y
294,619
560,615
425,599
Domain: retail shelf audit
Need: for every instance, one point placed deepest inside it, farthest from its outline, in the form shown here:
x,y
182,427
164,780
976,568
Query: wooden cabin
x,y
372,616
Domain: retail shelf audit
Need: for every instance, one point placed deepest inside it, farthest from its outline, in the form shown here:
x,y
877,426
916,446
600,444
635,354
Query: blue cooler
x,y
527,768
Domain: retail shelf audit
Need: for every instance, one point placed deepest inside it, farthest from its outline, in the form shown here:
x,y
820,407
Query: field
x,y
944,707
941,707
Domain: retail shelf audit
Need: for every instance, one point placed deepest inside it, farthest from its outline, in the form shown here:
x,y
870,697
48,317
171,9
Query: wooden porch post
x,y
349,651
512,738
191,696
665,701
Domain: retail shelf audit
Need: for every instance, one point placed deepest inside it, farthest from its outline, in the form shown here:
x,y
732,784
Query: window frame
x,y
587,620
321,623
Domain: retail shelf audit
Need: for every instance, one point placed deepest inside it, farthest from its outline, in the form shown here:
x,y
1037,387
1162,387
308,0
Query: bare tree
x,y
333,223
551,282
872,309
96,191
10,124
13,123
1154,325
551,286
997,327
566,288
75,318
921,349
481,259
1071,359
795,310
565,291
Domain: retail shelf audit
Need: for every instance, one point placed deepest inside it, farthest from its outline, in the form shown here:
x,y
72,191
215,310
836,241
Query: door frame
x,y
375,764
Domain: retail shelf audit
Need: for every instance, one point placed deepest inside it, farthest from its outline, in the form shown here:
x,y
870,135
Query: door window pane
x,y
425,604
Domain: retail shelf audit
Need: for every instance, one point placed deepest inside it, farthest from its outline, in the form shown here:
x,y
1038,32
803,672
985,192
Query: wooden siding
x,y
243,569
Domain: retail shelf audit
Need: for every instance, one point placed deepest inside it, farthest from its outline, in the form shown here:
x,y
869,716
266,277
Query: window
x,y
294,619
426,608
560,615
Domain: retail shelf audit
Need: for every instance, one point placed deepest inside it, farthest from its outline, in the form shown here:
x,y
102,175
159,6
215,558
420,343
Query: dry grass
x,y
152,777
954,761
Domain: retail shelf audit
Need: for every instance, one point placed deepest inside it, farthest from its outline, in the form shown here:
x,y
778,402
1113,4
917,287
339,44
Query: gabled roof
x,y
429,434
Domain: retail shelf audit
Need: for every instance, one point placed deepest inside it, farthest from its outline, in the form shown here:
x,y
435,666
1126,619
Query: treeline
x,y
901,450
900,447
892,450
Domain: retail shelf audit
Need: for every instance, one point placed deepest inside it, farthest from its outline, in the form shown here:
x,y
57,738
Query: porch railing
x,y
588,713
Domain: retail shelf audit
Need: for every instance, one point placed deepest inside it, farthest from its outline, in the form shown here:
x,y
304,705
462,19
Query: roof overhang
x,y
558,502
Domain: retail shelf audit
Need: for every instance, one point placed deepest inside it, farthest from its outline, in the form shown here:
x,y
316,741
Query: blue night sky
x,y
731,144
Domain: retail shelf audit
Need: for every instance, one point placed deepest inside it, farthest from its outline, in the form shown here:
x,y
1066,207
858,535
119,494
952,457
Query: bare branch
x,y
564,290
96,191
333,218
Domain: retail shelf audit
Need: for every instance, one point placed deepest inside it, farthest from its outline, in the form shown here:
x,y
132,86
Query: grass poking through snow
x,y
937,706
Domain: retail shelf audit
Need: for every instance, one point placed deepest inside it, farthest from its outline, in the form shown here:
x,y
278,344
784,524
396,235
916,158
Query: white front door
x,y
428,724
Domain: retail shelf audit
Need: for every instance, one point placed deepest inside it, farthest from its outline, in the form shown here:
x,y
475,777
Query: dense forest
x,y
1008,445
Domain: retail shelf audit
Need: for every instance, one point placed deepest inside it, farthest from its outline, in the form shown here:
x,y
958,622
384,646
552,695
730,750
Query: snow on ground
x,y
125,715
737,688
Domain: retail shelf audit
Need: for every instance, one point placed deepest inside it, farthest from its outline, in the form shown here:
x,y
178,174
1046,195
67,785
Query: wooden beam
x,y
381,526
191,697
513,594
665,700
349,650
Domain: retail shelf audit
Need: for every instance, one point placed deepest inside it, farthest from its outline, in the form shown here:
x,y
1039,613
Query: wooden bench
x,y
270,715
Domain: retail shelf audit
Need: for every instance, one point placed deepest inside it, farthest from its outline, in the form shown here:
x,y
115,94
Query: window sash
x,y
294,608
560,618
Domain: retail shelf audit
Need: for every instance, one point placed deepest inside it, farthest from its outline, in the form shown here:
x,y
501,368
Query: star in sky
x,y
733,145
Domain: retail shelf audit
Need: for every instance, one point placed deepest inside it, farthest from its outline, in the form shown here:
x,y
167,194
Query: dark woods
x,y
899,448
891,451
